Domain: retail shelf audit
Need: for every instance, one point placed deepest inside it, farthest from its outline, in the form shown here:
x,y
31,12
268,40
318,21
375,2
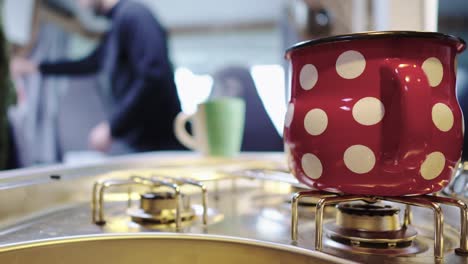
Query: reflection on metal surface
x,y
269,174
119,222
165,248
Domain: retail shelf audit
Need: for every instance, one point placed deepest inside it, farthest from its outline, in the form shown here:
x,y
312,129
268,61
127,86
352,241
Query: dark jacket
x,y
143,95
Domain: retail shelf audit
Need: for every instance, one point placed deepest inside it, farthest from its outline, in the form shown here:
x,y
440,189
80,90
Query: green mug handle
x,y
181,132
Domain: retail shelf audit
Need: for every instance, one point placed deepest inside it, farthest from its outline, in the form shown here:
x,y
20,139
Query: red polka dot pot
x,y
374,113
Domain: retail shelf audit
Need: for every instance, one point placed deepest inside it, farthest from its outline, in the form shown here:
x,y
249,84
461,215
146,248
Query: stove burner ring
x,y
366,209
158,196
160,208
378,217
377,238
373,227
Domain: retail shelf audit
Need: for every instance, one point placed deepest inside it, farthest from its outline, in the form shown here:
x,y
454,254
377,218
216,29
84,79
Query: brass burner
x,y
156,202
160,208
374,227
399,236
367,217
155,208
372,239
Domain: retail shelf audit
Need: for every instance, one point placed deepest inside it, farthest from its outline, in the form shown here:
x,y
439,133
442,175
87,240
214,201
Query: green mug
x,y
217,127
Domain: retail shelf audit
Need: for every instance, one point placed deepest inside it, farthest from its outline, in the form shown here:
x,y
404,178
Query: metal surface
x,y
35,207
165,248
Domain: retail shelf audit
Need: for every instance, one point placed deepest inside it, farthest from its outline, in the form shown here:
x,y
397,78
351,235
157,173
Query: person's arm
x,y
145,44
87,65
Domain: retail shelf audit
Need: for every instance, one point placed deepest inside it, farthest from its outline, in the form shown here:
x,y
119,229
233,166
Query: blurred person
x,y
142,96
259,132
7,98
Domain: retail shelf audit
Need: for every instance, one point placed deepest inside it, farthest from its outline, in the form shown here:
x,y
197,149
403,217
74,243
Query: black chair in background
x,y
259,133
462,95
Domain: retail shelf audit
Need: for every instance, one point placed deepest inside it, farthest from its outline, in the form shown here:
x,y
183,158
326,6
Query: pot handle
x,y
407,123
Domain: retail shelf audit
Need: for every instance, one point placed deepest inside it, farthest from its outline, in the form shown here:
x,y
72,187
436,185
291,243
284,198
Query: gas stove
x,y
249,201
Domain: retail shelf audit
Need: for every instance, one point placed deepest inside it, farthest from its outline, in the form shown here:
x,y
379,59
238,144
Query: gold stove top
x,y
254,206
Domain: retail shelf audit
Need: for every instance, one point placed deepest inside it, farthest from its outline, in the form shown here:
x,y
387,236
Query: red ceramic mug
x,y
375,113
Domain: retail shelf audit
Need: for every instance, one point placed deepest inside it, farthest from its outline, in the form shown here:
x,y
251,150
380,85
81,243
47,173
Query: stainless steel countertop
x,y
33,206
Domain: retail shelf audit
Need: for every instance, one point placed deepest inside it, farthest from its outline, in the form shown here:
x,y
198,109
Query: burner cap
x,y
157,196
361,209
154,203
160,208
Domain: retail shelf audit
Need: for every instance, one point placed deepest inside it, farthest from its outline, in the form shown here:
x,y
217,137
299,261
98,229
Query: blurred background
x,y
53,116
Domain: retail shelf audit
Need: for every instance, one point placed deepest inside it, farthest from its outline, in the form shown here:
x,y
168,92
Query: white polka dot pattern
x,y
316,121
289,115
368,111
433,166
308,76
359,159
311,166
434,71
350,64
442,117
